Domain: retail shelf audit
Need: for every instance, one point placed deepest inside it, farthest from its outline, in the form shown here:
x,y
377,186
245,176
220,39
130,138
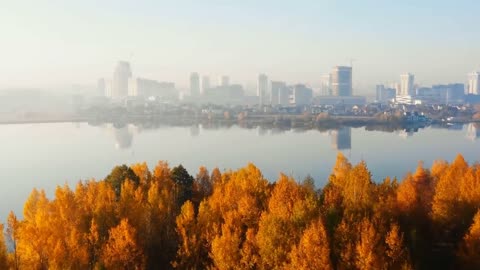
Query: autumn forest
x,y
165,218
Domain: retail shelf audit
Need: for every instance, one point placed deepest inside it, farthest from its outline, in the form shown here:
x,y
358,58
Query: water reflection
x,y
341,136
473,131
123,136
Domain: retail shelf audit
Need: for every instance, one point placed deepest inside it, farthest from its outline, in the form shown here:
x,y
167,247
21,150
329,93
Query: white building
x,y
325,85
473,85
406,85
205,84
194,84
121,75
139,87
262,88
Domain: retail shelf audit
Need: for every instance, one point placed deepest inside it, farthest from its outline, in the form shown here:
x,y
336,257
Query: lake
x,y
49,154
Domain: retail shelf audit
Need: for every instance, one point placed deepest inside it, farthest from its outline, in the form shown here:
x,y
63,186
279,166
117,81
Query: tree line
x,y
165,218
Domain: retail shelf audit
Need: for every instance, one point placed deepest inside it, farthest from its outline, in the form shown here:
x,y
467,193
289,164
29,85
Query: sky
x,y
65,42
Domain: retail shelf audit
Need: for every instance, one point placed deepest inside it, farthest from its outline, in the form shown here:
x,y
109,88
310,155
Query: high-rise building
x,y
473,86
276,87
262,88
205,84
194,84
406,85
301,95
284,96
224,81
120,79
384,94
325,85
341,81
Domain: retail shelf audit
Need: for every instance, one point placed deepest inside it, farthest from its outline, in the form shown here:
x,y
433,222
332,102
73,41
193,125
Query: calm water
x,y
47,155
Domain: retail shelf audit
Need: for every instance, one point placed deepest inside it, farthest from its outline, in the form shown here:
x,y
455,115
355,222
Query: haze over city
x,y
49,44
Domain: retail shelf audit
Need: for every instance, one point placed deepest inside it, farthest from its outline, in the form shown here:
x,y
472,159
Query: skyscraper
x,y
194,84
276,87
120,79
224,81
473,86
262,88
406,85
205,84
325,85
341,81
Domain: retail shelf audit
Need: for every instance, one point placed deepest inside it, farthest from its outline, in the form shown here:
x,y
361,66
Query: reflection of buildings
x,y
342,138
261,131
473,131
405,133
123,136
195,130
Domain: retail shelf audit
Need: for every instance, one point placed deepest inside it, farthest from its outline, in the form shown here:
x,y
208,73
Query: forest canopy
x,y
165,218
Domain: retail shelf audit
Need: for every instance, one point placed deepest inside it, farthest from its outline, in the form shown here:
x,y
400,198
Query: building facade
x,y
300,95
406,85
194,84
341,81
384,94
473,85
262,88
205,84
121,75
275,88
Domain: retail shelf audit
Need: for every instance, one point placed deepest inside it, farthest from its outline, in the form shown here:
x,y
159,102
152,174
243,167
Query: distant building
x,y
342,101
384,94
224,81
121,75
108,88
341,81
139,87
231,94
325,85
473,85
284,96
205,83
406,85
301,95
276,87
262,88
194,84
442,94
450,93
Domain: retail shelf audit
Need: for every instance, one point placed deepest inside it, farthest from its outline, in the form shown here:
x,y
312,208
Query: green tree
x,y
118,175
184,182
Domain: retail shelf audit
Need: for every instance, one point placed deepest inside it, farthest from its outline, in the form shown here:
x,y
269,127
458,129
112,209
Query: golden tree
x,y
122,250
313,251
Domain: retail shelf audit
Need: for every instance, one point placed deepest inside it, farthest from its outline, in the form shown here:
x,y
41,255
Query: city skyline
x,y
167,41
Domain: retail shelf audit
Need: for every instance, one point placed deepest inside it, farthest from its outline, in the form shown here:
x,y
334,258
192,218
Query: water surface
x,y
50,154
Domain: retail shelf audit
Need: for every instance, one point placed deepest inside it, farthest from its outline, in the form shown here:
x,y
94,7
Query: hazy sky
x,y
45,43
